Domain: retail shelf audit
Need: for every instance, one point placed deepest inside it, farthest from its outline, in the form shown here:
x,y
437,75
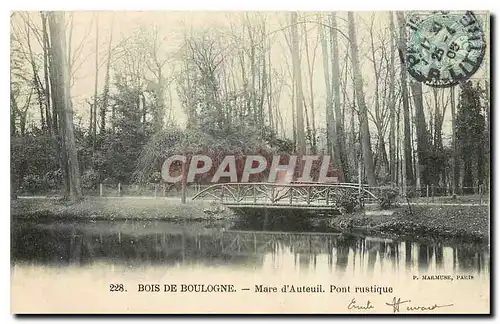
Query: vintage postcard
x,y
187,162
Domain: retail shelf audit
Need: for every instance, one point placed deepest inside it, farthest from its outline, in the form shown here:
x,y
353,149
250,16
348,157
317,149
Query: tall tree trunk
x,y
488,134
297,75
331,134
15,175
37,84
57,108
310,68
105,96
159,111
406,107
422,135
392,103
51,111
454,165
91,121
382,162
339,124
364,128
487,90
13,113
294,120
23,114
399,173
61,96
46,45
94,123
468,179
142,99
480,161
270,94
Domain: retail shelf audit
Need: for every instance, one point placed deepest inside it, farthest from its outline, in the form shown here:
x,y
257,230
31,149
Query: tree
x,y
408,169
156,62
105,95
331,133
310,70
380,105
423,152
471,126
49,117
363,116
297,76
121,149
339,116
61,99
454,165
93,114
392,102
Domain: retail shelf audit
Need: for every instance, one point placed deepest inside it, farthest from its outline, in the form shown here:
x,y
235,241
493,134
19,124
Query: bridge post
x,y
291,196
254,194
309,195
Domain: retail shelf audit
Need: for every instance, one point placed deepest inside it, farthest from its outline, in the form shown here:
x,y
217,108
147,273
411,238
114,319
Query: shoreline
x,y
436,223
468,223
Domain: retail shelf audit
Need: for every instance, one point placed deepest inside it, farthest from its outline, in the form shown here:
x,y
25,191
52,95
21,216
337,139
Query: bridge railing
x,y
292,194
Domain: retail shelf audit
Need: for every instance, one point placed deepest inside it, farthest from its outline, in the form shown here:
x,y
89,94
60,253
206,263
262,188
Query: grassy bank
x,y
118,208
468,223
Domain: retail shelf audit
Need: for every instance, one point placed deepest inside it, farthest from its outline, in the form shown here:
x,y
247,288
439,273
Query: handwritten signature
x,y
354,305
397,305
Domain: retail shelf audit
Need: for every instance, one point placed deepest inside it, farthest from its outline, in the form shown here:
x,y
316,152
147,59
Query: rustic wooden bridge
x,y
308,195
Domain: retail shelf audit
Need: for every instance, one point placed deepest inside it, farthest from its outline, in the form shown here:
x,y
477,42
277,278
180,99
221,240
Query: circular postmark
x,y
444,48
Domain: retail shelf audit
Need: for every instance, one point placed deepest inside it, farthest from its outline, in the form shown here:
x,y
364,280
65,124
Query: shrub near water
x,y
33,184
345,200
388,198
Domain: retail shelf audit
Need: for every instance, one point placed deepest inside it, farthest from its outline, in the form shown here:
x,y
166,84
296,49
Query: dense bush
x,y
54,179
90,179
33,184
388,198
345,200
412,192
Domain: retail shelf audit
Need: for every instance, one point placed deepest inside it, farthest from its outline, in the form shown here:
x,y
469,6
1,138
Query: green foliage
x,y
33,155
470,120
33,183
470,129
90,179
346,200
388,198
160,146
54,179
121,148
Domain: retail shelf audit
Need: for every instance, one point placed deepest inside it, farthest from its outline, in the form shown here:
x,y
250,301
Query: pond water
x,y
135,252
141,243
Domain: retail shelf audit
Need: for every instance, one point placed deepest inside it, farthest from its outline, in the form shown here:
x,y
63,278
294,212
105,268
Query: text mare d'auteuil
x,y
374,289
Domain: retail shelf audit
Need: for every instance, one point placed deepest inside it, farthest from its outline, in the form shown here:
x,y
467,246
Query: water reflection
x,y
159,243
